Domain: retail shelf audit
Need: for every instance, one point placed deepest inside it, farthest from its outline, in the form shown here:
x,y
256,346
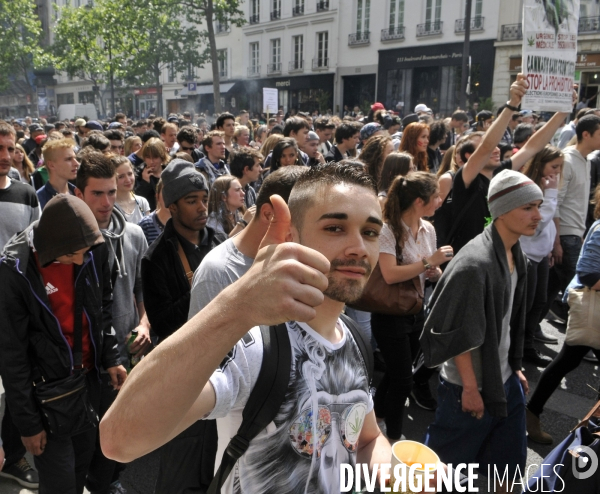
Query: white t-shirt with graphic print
x,y
328,393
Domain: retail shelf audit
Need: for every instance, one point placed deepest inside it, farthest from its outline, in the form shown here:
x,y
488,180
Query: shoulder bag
x,y
583,324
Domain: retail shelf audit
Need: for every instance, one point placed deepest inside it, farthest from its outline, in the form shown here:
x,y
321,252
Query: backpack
x,y
269,392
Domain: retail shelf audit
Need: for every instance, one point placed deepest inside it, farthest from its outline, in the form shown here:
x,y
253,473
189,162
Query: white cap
x,y
422,108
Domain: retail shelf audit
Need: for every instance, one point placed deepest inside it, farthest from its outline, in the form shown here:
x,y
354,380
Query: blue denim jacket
x,y
588,265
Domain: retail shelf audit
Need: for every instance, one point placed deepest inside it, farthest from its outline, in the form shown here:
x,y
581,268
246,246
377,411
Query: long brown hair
x,y
597,203
402,195
155,148
395,164
216,202
534,168
409,144
372,155
28,167
448,163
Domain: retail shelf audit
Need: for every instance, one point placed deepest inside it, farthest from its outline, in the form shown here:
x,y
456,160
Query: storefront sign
x,y
270,99
150,90
283,83
440,56
549,54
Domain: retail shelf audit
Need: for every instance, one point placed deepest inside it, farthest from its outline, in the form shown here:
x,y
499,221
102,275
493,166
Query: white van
x,y
68,112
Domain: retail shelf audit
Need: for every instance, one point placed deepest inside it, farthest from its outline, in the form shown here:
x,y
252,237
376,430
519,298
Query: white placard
x,y
270,100
549,54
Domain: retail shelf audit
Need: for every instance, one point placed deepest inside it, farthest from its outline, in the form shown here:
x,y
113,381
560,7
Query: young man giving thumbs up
x,y
315,257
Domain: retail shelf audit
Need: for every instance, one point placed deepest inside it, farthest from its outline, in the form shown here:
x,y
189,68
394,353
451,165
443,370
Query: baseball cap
x,y
80,122
377,106
422,108
35,128
92,124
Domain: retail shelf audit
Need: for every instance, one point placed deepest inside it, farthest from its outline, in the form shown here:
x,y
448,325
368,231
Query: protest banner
x,y
549,53
270,100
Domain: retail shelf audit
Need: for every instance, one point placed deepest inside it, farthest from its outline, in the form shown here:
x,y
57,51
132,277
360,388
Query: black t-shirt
x,y
477,214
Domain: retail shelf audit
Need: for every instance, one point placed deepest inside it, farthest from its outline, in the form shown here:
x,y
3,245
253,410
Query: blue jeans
x,y
458,437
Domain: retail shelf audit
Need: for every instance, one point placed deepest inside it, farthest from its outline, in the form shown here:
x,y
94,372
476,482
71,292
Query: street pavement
x,y
570,402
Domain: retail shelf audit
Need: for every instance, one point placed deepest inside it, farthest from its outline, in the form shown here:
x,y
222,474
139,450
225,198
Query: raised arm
x,y
161,394
493,136
538,141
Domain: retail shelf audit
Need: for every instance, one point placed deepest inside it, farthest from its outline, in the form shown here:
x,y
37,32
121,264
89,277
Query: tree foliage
x,y
204,13
20,41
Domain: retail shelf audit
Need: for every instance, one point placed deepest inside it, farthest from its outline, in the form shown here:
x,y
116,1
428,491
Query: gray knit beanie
x,y
179,178
510,190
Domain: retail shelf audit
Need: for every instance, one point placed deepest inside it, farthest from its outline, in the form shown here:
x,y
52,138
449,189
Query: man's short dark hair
x,y
114,135
119,116
97,141
460,116
242,158
351,172
589,124
149,134
221,119
523,131
583,112
438,130
295,124
346,130
515,116
187,134
323,123
157,124
279,182
277,129
94,165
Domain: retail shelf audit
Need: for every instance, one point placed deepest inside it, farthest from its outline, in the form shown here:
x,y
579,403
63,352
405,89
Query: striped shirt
x,y
18,208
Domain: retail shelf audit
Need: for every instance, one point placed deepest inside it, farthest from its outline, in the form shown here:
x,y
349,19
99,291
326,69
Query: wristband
x,y
243,222
426,264
513,108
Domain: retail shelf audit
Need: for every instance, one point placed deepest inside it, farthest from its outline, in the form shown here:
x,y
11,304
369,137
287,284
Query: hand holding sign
x,y
287,280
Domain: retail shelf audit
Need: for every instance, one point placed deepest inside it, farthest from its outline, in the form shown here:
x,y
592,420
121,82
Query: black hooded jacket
x,y
32,344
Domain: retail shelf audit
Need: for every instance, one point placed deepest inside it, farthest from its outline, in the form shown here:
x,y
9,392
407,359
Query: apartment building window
x,y
298,53
254,11
171,72
191,72
275,64
396,15
298,7
323,49
222,56
275,9
254,58
363,9
433,11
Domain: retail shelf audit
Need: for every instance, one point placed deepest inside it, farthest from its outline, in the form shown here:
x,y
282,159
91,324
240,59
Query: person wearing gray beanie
x,y
311,148
479,344
510,190
179,178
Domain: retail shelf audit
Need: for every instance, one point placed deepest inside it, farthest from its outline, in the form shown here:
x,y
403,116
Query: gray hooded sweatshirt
x,y
126,246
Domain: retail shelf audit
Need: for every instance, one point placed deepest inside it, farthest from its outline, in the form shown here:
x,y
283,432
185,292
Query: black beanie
x,y
67,225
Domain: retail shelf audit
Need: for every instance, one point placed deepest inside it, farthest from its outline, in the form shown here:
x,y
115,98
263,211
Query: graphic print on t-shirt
x,y
318,425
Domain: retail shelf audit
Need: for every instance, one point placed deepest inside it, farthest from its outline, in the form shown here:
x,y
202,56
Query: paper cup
x,y
409,453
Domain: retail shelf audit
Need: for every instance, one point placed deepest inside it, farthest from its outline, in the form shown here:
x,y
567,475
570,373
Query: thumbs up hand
x,y
287,280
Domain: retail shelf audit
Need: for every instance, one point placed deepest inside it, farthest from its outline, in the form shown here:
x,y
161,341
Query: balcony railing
x,y
429,29
297,66
323,5
275,14
254,71
222,28
362,38
393,33
476,24
589,25
298,10
274,68
511,32
254,19
320,63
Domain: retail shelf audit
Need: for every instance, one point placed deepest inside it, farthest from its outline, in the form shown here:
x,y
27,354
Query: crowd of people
x,y
138,257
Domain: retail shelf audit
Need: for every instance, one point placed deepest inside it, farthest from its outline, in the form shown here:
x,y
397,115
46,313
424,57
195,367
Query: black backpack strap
x,y
264,400
363,345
